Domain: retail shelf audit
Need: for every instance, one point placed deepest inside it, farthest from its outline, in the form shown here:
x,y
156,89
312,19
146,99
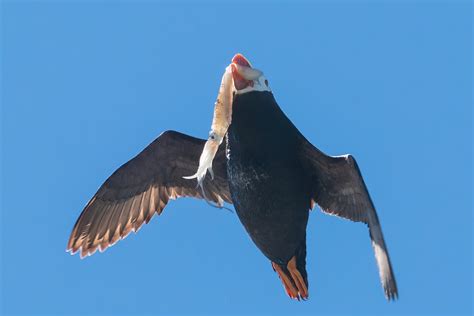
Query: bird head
x,y
246,78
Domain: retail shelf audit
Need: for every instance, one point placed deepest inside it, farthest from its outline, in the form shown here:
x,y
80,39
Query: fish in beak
x,y
239,77
242,72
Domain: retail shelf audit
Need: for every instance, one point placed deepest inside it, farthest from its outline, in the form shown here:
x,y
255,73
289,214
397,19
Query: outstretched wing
x,y
338,188
142,187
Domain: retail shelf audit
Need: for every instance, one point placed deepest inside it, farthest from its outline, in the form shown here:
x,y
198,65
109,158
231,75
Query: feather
x,y
141,188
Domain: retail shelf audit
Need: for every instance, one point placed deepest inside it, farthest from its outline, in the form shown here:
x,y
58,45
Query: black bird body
x,y
270,172
267,181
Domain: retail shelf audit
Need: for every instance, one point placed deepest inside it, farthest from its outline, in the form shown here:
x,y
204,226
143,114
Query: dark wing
x,y
142,187
338,188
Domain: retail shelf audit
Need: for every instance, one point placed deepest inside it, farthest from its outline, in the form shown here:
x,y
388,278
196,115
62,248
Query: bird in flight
x,y
266,168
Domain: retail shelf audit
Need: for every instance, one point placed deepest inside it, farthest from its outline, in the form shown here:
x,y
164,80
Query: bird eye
x,y
266,82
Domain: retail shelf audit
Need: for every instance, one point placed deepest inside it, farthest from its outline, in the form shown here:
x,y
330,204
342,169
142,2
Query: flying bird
x,y
267,169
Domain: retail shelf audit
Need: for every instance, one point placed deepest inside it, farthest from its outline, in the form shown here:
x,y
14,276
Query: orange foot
x,y
301,290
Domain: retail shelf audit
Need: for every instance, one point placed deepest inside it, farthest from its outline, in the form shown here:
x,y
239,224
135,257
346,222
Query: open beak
x,y
239,64
239,59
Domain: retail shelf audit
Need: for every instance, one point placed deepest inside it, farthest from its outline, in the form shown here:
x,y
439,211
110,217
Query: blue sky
x,y
86,86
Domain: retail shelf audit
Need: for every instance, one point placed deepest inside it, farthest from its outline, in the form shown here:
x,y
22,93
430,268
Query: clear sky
x,y
87,85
